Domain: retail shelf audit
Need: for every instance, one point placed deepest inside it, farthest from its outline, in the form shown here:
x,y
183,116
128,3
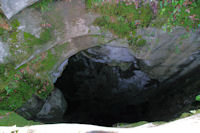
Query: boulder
x,y
54,107
30,109
12,7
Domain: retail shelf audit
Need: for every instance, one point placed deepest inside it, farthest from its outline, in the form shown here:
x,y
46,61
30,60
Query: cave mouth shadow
x,y
96,93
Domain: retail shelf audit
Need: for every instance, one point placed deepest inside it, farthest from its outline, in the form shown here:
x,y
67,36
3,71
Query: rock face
x,y
3,52
170,55
12,7
31,108
52,108
108,84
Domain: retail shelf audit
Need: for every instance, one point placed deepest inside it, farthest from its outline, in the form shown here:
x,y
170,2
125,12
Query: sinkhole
x,y
106,85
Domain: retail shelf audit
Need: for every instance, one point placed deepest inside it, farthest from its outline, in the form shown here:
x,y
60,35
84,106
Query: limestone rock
x,y
12,7
31,108
54,107
3,52
170,55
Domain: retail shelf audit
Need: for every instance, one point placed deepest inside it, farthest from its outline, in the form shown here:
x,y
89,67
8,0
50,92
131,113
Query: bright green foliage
x,y
197,98
21,88
8,118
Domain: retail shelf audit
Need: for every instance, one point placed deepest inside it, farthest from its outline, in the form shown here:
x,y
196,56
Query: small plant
x,y
15,24
43,5
197,98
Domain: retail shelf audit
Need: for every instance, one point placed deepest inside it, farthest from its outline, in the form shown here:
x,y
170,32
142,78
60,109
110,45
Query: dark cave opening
x,y
104,89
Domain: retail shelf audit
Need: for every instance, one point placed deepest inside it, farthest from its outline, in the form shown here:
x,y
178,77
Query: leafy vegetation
x,y
123,20
184,13
123,17
21,87
43,5
197,98
15,24
18,85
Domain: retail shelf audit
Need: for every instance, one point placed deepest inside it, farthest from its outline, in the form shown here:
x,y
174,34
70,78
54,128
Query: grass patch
x,y
190,113
31,40
8,118
42,5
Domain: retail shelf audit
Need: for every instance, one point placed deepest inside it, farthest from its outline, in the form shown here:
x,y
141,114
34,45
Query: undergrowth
x,y
17,85
42,5
21,88
123,18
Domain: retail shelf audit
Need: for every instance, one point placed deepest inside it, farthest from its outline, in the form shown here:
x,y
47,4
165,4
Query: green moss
x,y
45,36
183,115
137,42
187,114
13,37
2,31
31,40
61,48
124,125
11,119
48,63
159,122
7,72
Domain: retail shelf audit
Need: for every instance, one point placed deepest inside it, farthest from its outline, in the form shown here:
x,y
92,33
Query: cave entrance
x,y
105,86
